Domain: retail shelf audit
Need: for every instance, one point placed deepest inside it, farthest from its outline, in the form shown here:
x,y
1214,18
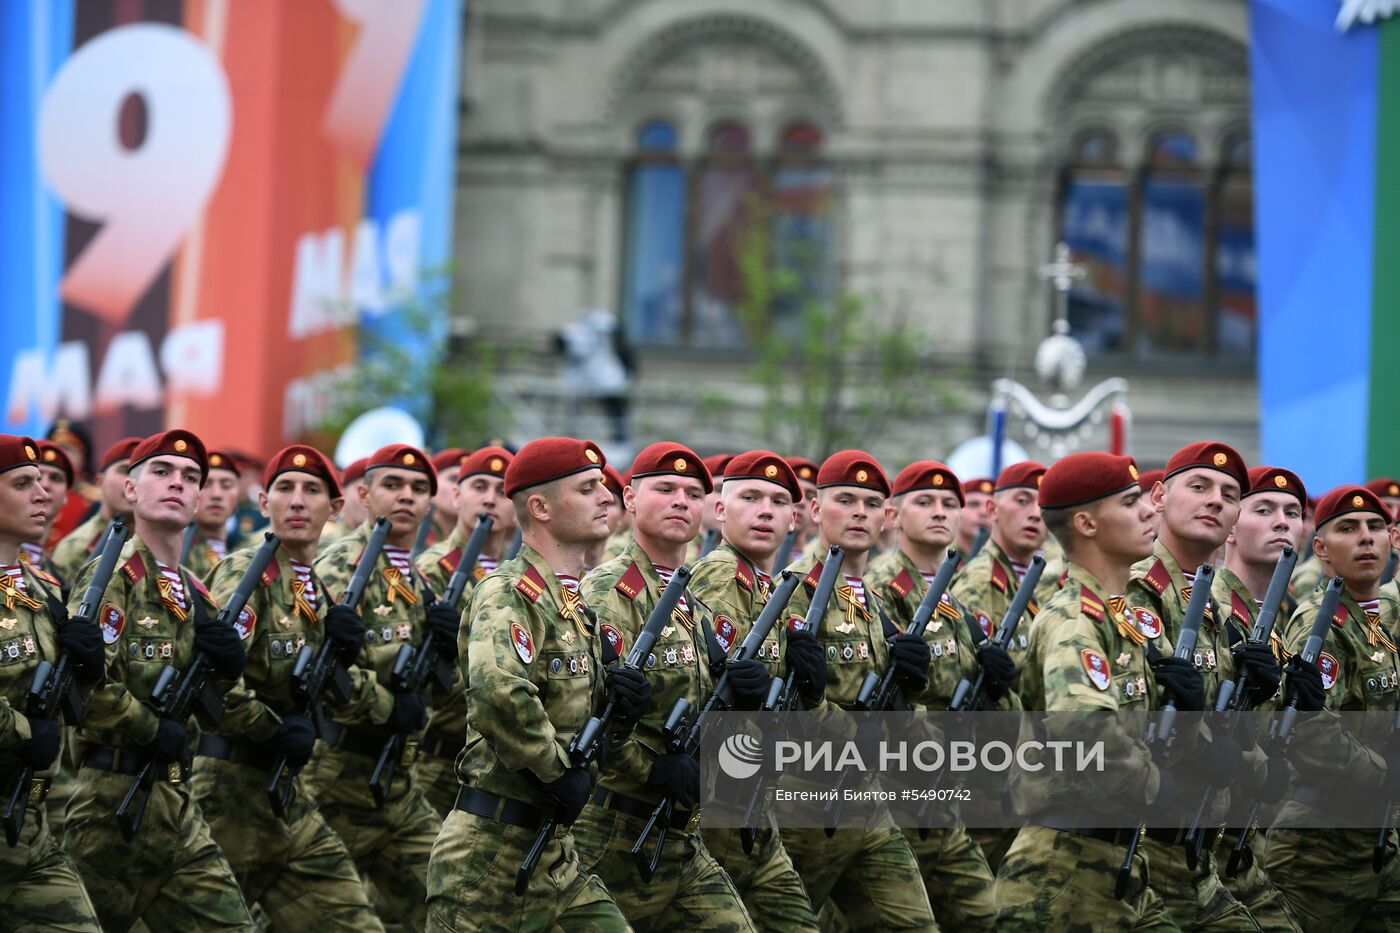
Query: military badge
x,y
1327,667
112,620
521,641
8,624
984,622
725,632
614,637
1148,622
1096,666
245,623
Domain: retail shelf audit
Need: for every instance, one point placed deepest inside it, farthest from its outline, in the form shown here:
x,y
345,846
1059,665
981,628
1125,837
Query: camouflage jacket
x,y
437,564
46,568
27,636
987,585
852,636
731,587
1240,609
622,592
72,552
203,559
143,634
1308,573
532,661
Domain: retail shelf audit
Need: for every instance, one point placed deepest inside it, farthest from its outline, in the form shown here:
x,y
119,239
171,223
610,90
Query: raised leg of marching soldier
x,y
772,891
1326,875
39,885
1253,888
871,874
1196,899
957,878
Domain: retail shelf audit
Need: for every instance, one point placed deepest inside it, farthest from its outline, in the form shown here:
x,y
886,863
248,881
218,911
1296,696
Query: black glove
x,y
170,742
408,715
45,736
346,630
999,668
443,620
223,648
570,793
1181,681
295,738
1276,780
911,659
83,643
750,680
679,776
1257,659
807,664
630,692
1220,760
1305,684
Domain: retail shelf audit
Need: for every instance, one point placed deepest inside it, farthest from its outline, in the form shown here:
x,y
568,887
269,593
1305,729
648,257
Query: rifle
x,y
784,555
980,541
1233,698
588,741
176,695
53,691
972,695
1164,729
1281,729
319,669
420,540
412,668
187,542
685,732
782,693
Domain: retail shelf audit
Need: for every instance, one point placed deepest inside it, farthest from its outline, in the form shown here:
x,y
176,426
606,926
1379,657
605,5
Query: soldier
x,y
171,875
448,463
617,515
1085,655
297,869
75,550
56,476
1326,874
869,872
1271,517
806,471
976,514
83,497
352,514
531,651
1308,572
709,525
1198,503
480,489
759,494
41,888
216,503
927,506
390,845
667,496
1388,491
247,522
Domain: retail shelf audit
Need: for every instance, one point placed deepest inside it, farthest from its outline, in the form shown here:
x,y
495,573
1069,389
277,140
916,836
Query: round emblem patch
x,y
862,476
938,479
1280,481
1219,459
29,451
1327,667
180,446
770,471
681,465
984,622
50,456
1096,666
1132,471
215,460
521,641
409,459
497,464
805,473
590,454
1358,501
1147,622
1394,490
299,460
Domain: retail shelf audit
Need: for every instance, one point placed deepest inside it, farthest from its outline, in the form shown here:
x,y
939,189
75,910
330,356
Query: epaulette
x,y
1158,577
135,568
743,574
531,585
903,584
272,573
1339,618
999,580
632,582
1090,605
813,575
44,575
450,560
1240,609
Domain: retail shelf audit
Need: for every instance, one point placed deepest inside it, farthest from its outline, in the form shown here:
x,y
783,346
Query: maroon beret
x,y
449,458
666,458
1086,477
17,451
549,458
1384,486
715,463
852,468
403,457
1276,479
1149,478
354,472
928,474
299,458
1209,455
805,469
1346,499
174,443
1026,474
614,481
764,465
222,460
55,456
982,484
492,461
121,450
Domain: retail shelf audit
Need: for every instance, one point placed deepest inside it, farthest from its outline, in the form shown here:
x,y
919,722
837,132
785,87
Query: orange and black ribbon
x,y
1127,625
398,588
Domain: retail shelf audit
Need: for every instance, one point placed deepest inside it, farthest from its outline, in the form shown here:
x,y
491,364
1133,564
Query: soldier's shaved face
x,y
1017,523
1356,546
1120,525
24,505
755,515
402,496
217,499
1199,507
572,510
668,508
851,516
113,486
164,490
928,517
298,505
482,492
1268,522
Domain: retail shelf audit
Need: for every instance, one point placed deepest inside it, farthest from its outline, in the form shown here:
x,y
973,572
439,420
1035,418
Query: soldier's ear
x,y
1320,546
1158,495
337,504
1085,523
362,492
262,503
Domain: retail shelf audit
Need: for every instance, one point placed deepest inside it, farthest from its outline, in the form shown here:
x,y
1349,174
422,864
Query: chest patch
x,y
984,622
1328,668
112,620
522,642
1148,622
1096,667
245,623
614,637
725,632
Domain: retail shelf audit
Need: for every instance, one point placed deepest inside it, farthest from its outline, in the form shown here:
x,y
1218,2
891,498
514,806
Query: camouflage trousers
x,y
957,878
297,870
993,843
471,882
1195,899
172,876
39,884
1252,888
690,890
1057,880
438,779
871,874
771,889
1326,876
390,846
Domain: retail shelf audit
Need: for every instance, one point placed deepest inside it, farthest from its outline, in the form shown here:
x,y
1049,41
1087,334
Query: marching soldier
x,y
352,514
39,884
806,472
448,463
758,498
977,492
532,654
297,869
869,872
1308,572
217,501
56,476
619,529
480,489
927,501
390,845
73,551
171,875
667,496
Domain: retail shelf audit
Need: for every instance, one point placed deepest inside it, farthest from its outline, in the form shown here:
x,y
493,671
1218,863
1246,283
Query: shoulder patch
x,y
631,583
1096,667
984,622
44,575
1241,610
272,573
1327,666
1158,577
521,641
1090,605
1339,618
743,574
135,568
903,584
725,632
813,575
531,585
999,579
450,560
245,623
112,620
1148,622
614,637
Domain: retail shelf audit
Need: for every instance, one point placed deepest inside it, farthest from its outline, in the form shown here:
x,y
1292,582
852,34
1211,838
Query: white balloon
x,y
973,457
374,429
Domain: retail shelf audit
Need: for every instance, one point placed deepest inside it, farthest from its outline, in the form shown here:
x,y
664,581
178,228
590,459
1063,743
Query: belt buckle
x,y
692,824
174,772
38,791
409,753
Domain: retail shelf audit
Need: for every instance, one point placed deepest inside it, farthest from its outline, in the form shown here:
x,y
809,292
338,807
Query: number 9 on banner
x,y
147,196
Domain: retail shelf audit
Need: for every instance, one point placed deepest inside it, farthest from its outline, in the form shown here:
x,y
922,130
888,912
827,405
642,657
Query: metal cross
x,y
1062,274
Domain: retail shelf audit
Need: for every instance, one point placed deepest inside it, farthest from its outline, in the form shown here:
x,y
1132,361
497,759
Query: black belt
x,y
239,753
684,821
131,761
440,745
499,809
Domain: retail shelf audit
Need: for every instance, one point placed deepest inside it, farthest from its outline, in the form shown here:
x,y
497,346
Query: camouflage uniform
x,y
72,552
39,884
298,869
729,585
1307,574
1082,656
1195,898
534,662
202,558
390,845
61,775
690,889
871,873
1326,873
172,876
953,864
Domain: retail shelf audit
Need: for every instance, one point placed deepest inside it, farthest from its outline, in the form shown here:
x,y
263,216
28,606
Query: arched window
x,y
725,205
1171,280
1235,312
655,249
799,198
1094,212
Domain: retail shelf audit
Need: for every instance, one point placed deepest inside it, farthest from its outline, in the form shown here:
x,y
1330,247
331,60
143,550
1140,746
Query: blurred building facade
x,y
927,154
